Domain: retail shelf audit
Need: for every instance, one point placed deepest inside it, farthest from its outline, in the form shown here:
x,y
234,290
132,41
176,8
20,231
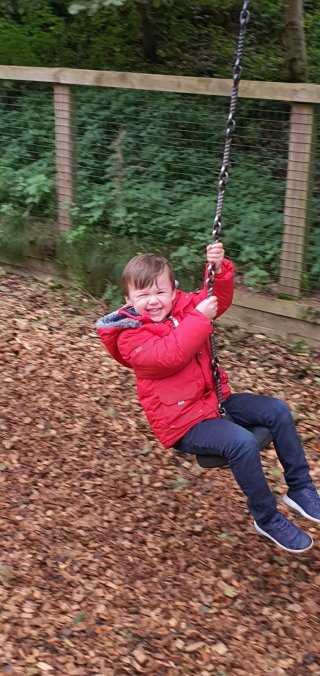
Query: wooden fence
x,y
304,98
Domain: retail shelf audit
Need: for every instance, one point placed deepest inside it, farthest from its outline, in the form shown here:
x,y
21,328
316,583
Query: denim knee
x,y
280,412
247,448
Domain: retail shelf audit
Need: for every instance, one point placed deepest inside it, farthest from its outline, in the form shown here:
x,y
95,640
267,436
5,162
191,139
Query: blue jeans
x,y
239,446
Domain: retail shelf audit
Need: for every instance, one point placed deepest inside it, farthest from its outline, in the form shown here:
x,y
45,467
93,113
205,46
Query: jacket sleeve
x,y
153,356
223,287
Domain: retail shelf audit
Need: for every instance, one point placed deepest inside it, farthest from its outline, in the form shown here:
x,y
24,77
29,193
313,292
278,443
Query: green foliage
x,y
187,37
179,484
21,236
81,617
146,178
96,260
27,168
31,34
148,163
313,242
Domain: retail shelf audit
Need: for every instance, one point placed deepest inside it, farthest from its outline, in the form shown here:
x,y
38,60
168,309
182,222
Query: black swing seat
x,y
261,434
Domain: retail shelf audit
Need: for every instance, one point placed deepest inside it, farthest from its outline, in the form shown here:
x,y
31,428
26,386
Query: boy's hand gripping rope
x,y
223,179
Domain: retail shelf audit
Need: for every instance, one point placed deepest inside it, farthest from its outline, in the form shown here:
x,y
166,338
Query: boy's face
x,y
156,299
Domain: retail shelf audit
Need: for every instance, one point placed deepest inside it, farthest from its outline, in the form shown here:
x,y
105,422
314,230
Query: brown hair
x,y
142,270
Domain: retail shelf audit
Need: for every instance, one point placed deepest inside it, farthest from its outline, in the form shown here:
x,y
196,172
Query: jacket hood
x,y
111,325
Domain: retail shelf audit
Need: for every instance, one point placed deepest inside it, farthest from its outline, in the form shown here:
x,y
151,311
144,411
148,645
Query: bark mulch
x,y
118,557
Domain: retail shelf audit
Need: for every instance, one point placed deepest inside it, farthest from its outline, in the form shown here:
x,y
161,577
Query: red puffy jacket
x,y
171,359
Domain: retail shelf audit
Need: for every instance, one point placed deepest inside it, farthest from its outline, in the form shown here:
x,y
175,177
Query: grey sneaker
x,y
306,501
285,534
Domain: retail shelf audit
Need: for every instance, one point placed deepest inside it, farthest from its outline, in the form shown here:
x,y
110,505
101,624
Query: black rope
x,y
223,180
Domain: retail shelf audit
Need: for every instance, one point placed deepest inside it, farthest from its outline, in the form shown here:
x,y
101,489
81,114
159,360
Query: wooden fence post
x,y
297,199
64,154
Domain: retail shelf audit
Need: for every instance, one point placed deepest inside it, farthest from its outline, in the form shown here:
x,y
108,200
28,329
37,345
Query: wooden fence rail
x,y
303,98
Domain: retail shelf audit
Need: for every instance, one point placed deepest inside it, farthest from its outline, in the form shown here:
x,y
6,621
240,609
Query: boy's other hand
x,y
208,307
215,255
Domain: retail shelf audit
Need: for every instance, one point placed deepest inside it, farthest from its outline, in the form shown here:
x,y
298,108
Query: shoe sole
x,y
294,505
287,549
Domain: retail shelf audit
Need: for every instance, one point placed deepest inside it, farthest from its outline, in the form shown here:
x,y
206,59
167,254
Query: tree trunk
x,y
295,41
148,33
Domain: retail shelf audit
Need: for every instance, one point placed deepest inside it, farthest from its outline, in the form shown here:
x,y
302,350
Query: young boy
x,y
163,335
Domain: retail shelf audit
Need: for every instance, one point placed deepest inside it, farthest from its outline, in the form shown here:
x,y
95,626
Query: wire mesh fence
x,y
27,149
313,238
143,174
